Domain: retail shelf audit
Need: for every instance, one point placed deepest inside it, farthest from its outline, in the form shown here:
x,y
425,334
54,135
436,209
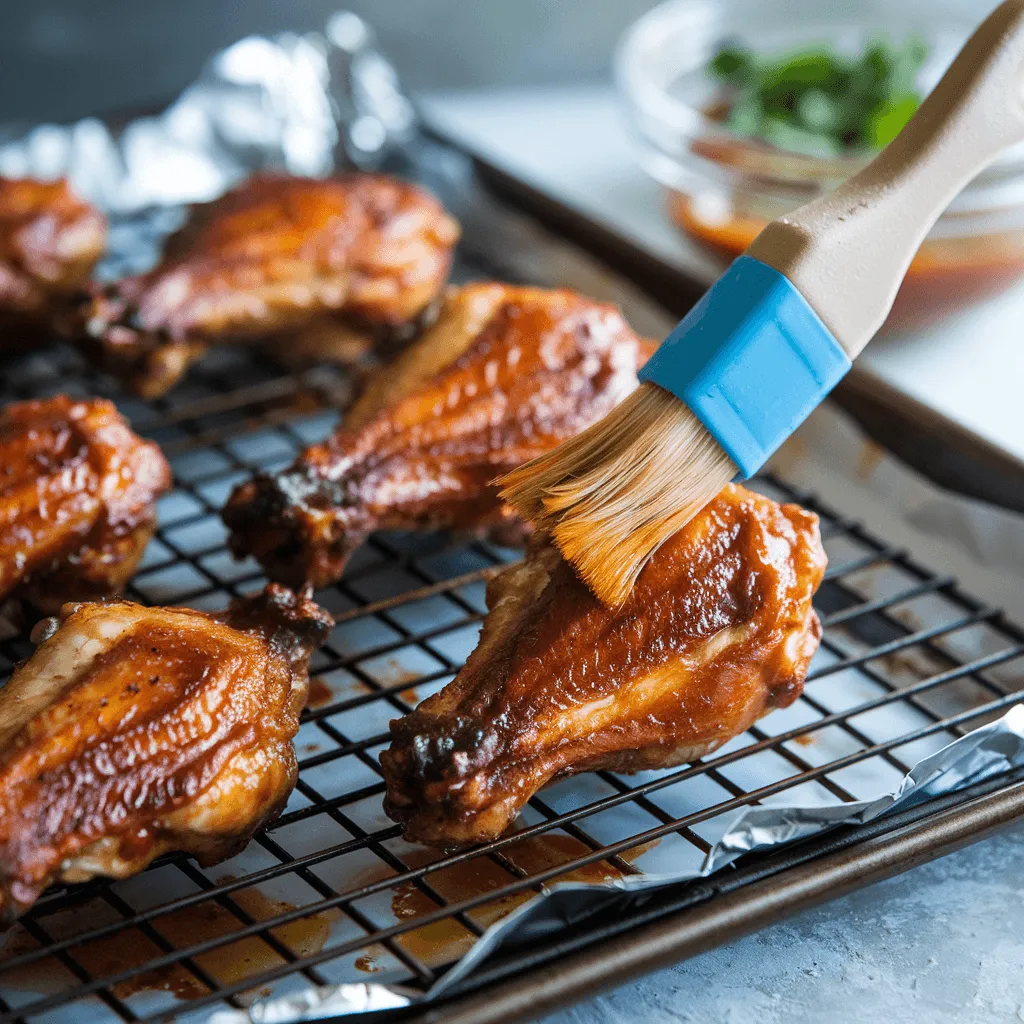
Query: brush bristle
x,y
611,496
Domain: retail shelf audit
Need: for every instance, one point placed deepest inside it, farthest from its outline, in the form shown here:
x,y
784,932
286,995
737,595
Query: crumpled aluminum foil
x,y
309,104
982,754
300,103
318,1004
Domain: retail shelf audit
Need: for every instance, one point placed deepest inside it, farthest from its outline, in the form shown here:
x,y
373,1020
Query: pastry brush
x,y
774,334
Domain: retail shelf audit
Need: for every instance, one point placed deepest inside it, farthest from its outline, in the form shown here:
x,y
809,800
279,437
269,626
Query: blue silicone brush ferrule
x,y
752,360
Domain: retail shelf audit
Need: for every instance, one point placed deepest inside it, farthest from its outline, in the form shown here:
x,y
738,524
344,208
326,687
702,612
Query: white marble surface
x,y
939,944
573,143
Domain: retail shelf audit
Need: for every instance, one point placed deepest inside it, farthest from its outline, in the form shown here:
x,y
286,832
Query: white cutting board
x,y
572,143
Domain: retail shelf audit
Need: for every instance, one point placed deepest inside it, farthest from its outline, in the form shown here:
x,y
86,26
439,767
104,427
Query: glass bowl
x,y
722,188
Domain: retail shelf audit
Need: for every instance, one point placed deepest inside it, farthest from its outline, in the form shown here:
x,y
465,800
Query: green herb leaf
x,y
819,101
735,65
888,118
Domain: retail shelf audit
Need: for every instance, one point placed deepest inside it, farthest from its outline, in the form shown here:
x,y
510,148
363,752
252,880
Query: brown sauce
x,y
910,666
398,674
435,944
320,694
444,941
412,696
228,964
946,274
42,976
368,965
868,459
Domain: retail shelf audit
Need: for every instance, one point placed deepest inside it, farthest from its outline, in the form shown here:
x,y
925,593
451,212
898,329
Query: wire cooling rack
x,y
330,892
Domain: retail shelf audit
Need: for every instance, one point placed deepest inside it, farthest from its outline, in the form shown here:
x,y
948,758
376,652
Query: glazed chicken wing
x,y
77,500
274,255
50,241
504,375
717,631
134,731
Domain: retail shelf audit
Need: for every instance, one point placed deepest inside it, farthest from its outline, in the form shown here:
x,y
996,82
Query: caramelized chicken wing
x,y
276,254
717,631
504,375
135,731
77,500
50,241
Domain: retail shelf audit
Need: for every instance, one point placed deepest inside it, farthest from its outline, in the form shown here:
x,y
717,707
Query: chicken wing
x,y
504,375
50,241
718,630
134,731
275,254
77,500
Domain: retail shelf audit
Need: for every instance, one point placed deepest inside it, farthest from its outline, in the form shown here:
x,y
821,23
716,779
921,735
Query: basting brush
x,y
774,334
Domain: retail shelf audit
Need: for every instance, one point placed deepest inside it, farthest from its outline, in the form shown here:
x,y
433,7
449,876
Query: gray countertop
x,y
944,942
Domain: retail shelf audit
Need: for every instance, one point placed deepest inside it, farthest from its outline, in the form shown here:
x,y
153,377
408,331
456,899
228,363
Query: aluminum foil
x,y
984,753
308,105
300,103
318,1004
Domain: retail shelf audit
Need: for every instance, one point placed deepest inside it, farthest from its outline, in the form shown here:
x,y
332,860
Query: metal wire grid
x,y
907,663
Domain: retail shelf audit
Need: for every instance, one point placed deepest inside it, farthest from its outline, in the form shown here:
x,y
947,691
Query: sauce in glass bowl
x,y
722,188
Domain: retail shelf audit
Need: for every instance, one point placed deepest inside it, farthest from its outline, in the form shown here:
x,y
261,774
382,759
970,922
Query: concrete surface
x,y
942,943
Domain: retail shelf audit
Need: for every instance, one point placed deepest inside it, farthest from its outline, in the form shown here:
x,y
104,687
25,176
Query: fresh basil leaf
x,y
819,101
735,65
887,120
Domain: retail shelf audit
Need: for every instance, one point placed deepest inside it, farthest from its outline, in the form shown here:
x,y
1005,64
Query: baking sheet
x,y
983,546
987,752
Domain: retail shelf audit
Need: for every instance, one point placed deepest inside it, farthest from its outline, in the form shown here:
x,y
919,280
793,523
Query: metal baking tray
x,y
330,892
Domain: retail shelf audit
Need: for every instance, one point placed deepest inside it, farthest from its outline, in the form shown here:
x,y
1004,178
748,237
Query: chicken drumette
x,y
717,631
134,731
50,241
77,500
504,375
269,259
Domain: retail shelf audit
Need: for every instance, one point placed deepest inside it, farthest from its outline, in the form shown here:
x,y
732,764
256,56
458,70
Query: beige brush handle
x,y
848,252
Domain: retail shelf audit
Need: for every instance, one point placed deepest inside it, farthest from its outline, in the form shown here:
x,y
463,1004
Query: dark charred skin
x,y
271,258
718,630
50,240
77,500
480,394
135,731
293,624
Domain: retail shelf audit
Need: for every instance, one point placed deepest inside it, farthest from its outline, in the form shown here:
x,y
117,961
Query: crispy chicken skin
x,y
50,241
275,254
504,375
135,731
718,630
77,500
